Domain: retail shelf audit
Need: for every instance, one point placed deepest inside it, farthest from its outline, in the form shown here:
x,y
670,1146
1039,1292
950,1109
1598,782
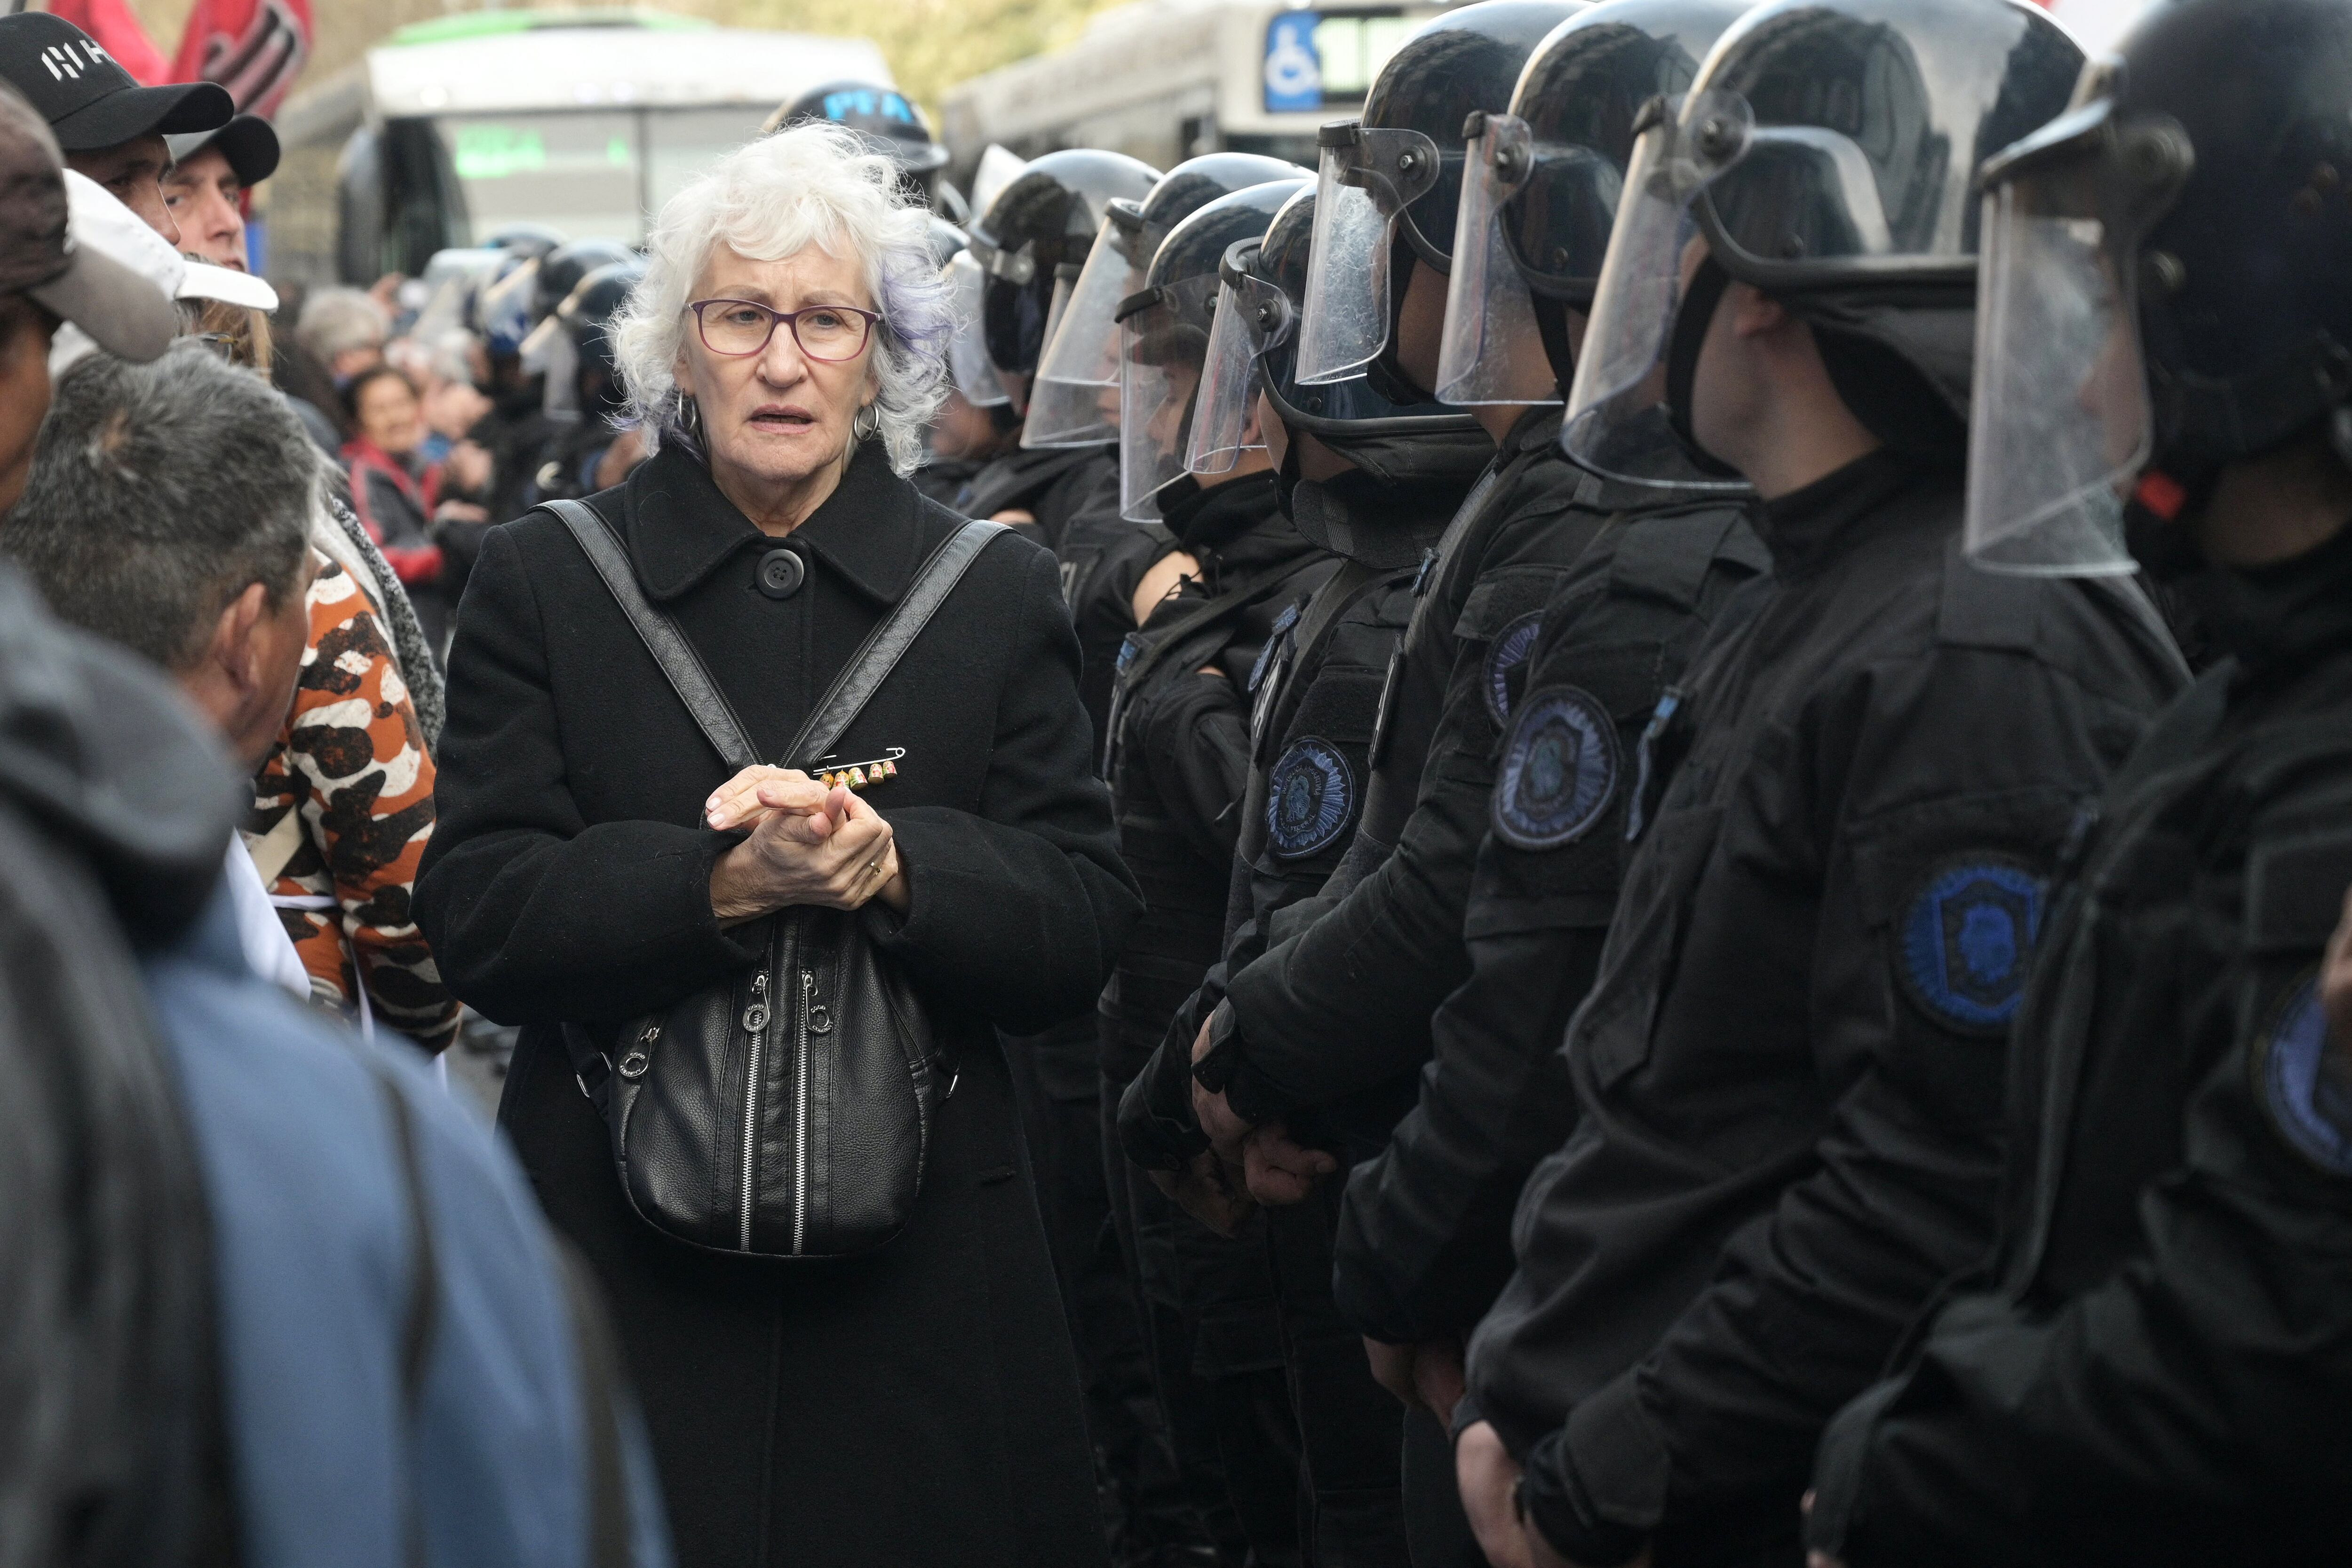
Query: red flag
x,y
118,31
253,48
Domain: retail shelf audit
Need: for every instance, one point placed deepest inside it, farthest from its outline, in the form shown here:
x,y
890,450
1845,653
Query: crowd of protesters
x,y
1587,856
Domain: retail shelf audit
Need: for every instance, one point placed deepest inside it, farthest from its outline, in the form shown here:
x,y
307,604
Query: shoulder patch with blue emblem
x,y
1560,770
1967,940
1509,649
2308,1092
1310,799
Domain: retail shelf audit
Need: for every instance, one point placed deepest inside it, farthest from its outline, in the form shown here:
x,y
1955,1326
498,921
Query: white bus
x,y
585,122
1164,80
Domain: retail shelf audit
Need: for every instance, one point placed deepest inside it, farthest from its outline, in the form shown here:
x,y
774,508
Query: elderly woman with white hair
x,y
596,862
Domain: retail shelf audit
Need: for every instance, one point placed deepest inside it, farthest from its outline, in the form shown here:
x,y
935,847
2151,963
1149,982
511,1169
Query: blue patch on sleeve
x,y
2308,1092
1310,799
1968,941
1510,649
1282,624
1560,770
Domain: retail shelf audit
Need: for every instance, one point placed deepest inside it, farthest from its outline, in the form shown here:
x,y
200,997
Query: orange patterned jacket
x,y
343,808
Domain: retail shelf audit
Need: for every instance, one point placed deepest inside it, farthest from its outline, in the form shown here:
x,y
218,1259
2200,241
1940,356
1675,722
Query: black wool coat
x,y
919,1404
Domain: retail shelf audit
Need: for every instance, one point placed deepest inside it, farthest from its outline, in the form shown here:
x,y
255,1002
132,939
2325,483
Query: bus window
x,y
683,143
577,173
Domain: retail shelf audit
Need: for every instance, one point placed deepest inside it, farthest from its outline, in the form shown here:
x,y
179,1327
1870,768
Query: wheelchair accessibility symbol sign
x,y
1293,71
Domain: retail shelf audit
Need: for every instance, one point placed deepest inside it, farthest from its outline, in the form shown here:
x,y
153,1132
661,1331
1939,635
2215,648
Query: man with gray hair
x,y
168,511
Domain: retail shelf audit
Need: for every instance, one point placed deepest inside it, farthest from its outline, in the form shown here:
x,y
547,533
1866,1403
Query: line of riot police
x,y
1714,984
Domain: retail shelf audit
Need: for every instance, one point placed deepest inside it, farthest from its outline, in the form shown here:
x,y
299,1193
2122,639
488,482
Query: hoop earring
x,y
689,418
867,424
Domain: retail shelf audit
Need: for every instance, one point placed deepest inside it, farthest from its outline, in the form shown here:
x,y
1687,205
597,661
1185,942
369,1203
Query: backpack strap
x,y
662,639
879,654
602,1400
859,679
421,1312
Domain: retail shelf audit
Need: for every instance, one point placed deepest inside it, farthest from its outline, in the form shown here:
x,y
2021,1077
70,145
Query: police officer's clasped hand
x,y
808,845
1226,1130
1427,1375
1206,1190
1279,1170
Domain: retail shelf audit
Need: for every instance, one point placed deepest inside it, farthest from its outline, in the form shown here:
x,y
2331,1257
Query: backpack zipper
x,y
800,1109
755,1024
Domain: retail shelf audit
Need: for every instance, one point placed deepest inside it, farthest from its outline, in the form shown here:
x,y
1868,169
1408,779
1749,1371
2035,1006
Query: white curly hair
x,y
816,183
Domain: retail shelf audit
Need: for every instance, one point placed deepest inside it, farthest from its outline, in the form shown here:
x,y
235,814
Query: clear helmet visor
x,y
969,366
1368,175
1250,318
1163,354
505,313
1618,421
1080,364
2060,426
550,351
1492,352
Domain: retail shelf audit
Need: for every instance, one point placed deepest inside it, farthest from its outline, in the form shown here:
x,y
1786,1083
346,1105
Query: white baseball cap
x,y
95,219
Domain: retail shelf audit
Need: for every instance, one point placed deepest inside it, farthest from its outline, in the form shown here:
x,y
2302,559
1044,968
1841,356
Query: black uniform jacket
x,y
919,1404
2159,1367
1180,764
1788,1071
1425,1237
1344,1006
1316,699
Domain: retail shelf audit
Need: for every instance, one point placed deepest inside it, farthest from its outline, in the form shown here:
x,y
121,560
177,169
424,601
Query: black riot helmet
x,y
1044,220
586,314
1391,181
561,270
1541,189
529,240
1825,153
882,118
1073,402
1163,330
2166,284
1385,430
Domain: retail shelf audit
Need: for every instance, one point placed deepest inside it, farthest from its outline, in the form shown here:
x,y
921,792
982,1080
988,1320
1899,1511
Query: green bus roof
x,y
493,24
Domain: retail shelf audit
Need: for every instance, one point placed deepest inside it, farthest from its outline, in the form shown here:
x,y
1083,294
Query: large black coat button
x,y
782,573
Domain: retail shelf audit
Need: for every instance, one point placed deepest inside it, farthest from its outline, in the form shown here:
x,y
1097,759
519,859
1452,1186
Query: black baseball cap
x,y
123,313
249,142
89,101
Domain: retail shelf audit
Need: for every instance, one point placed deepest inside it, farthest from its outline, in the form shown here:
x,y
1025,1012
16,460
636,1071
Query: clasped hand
x,y
1274,1168
808,845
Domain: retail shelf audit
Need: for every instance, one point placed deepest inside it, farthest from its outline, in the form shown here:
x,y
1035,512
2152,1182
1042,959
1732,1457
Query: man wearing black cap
x,y
210,173
43,282
110,128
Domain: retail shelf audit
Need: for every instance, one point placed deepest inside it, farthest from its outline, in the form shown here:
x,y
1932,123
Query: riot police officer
x,y
574,465
976,424
2154,1367
1178,759
1790,1066
1510,895
1074,401
892,126
1038,231
1372,471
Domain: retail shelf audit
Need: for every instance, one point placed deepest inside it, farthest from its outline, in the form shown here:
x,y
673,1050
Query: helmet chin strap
x,y
1691,319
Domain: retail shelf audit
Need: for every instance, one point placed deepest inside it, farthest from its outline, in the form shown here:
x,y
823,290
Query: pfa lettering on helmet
x,y
1508,651
1560,772
1311,799
2305,1088
1966,941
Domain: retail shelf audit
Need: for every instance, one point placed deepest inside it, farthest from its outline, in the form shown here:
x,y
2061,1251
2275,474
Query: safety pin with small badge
x,y
859,775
